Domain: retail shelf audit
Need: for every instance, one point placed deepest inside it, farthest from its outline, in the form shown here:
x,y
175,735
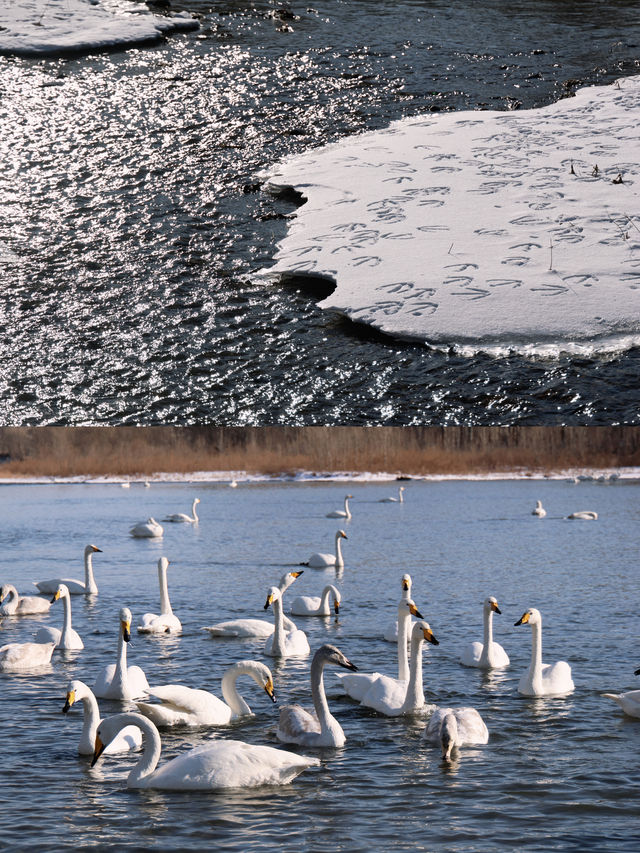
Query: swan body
x,y
119,681
212,767
398,500
394,697
585,515
184,706
165,622
539,510
129,738
23,657
254,627
488,654
149,529
66,638
542,679
75,587
297,725
283,643
183,517
629,701
325,561
391,631
13,604
342,513
456,727
313,605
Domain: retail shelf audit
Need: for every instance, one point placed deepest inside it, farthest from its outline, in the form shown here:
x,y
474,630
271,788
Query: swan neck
x,y
90,719
278,633
66,625
324,609
90,585
230,693
165,604
325,717
347,511
404,620
152,746
535,670
120,676
193,511
415,693
339,560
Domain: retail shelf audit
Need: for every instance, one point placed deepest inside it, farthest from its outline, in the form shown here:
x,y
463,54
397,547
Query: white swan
x,y
585,515
398,500
128,739
67,638
184,706
456,727
542,679
325,561
75,587
296,725
390,634
149,529
488,654
254,627
283,643
342,513
166,622
183,517
629,701
13,604
212,767
313,605
119,681
395,697
540,511
356,686
24,657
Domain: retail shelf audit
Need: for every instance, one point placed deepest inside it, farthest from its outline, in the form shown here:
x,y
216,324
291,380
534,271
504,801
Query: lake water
x,y
557,774
133,225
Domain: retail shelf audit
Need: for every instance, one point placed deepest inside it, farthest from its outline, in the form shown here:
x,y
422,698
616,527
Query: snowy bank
x,y
480,230
51,27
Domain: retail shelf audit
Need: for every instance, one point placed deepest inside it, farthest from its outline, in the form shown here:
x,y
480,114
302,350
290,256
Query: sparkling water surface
x,y
557,774
132,223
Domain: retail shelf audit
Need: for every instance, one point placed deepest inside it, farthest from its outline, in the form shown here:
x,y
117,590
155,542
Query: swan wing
x,y
128,739
31,605
471,727
102,686
556,678
50,587
241,628
629,702
165,623
356,684
200,706
46,634
296,724
471,654
386,695
321,561
498,657
305,605
434,726
296,643
20,657
138,683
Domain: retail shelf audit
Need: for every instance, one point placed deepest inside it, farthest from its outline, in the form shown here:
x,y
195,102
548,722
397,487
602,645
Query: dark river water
x,y
132,223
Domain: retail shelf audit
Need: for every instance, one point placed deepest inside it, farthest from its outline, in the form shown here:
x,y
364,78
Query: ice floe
x,y
480,230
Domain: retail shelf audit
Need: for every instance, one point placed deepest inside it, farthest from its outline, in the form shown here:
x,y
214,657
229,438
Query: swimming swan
x,y
254,627
313,605
399,499
166,622
542,679
540,511
325,561
629,701
75,587
184,706
456,727
585,515
211,767
67,638
149,529
394,697
23,657
128,739
342,513
183,517
391,631
283,643
297,725
13,604
119,681
488,654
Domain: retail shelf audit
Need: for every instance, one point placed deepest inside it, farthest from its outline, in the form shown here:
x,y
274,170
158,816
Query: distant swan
x,y
13,604
75,587
296,725
456,727
283,643
540,511
254,627
149,529
399,499
128,739
542,679
184,706
488,654
67,638
629,701
183,517
312,605
166,622
391,631
585,515
325,561
119,681
211,767
24,657
342,513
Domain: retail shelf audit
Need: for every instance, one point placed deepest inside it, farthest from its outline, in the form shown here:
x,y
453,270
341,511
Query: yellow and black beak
x,y
56,596
415,612
98,749
297,574
71,698
336,607
405,585
270,691
126,630
428,635
268,601
523,619
495,608
97,550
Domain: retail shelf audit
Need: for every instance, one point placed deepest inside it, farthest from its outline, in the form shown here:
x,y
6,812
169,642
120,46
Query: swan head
x,y
272,595
287,579
61,592
163,564
268,688
422,631
341,535
409,606
448,736
530,617
125,624
76,690
5,590
196,500
491,604
92,549
406,582
332,654
109,728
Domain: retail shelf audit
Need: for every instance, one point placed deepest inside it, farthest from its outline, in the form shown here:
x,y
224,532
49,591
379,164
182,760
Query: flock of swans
x,y
232,763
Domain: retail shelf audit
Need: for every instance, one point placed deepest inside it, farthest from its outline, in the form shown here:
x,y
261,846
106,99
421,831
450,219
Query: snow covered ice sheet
x,y
480,230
